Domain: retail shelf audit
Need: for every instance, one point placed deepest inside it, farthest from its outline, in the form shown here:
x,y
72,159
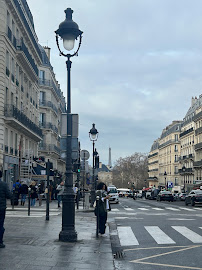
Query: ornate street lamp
x,y
165,174
69,32
93,135
184,170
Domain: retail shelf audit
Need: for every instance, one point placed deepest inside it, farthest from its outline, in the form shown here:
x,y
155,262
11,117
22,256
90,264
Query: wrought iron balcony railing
x,y
12,111
22,47
48,125
49,104
49,148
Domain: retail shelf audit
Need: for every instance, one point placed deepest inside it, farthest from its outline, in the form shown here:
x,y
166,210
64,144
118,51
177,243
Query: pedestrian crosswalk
x,y
157,209
128,237
35,214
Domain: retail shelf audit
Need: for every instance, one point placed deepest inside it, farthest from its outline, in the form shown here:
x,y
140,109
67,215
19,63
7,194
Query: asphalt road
x,y
157,235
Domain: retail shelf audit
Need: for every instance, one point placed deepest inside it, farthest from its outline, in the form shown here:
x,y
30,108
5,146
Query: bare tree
x,y
131,171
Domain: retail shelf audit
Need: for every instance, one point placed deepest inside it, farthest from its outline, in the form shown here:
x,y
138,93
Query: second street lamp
x,y
93,134
69,31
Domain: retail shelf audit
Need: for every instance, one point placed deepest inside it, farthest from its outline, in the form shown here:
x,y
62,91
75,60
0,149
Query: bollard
x,y
97,207
29,195
13,199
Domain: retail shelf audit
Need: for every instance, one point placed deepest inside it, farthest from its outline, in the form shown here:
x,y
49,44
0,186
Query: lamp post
x,y
68,31
93,135
184,170
165,174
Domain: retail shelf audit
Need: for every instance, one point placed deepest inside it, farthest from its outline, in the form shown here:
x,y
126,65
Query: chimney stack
x,y
47,50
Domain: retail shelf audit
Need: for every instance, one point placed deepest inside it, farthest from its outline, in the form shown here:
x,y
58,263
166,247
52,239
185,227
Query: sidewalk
x,y
32,243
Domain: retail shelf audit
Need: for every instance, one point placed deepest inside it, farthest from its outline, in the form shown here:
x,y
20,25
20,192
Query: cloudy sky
x,y
139,64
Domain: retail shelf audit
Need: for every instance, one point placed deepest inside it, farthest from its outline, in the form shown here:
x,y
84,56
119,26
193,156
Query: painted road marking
x,y
189,234
159,236
156,208
172,209
184,208
115,210
129,209
126,236
143,209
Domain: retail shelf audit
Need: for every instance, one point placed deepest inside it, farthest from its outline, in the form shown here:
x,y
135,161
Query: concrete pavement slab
x,y
32,243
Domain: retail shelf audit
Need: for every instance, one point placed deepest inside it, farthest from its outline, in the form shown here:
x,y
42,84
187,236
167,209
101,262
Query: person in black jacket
x,y
23,192
4,194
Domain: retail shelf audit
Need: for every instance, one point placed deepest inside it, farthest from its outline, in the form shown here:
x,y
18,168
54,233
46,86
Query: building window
x,y
176,137
42,118
42,75
42,97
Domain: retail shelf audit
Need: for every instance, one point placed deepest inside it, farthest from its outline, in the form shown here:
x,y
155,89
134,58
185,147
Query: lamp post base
x,y
68,236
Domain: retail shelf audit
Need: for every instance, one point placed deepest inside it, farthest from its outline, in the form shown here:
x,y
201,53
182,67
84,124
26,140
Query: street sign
x,y
85,155
170,184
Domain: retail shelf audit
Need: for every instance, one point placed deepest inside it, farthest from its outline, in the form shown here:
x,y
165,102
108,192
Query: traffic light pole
x,y
48,188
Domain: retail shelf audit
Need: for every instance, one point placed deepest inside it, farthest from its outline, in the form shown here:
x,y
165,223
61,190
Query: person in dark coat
x,y
23,192
103,206
4,194
16,191
33,193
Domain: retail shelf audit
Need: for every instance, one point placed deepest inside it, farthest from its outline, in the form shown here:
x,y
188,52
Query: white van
x,y
113,192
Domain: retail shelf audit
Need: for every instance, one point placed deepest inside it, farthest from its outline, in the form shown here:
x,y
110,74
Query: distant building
x,y
51,106
104,174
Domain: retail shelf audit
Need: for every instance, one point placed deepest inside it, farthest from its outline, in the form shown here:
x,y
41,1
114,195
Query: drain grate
x,y
119,255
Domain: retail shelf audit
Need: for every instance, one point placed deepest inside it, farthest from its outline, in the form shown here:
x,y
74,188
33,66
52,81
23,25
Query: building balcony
x,y
198,131
48,125
198,163
187,171
50,83
197,116
186,132
43,147
168,143
154,162
153,170
45,103
153,155
26,59
22,123
198,146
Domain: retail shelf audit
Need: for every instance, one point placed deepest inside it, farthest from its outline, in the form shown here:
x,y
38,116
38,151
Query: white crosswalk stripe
x,y
143,209
128,238
159,236
115,210
129,209
192,236
188,209
158,209
172,209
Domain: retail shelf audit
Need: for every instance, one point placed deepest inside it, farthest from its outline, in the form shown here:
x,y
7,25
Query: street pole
x,y
48,189
68,232
78,180
29,195
68,31
93,182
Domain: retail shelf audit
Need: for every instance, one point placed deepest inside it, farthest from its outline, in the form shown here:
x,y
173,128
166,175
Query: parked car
x,y
195,196
182,196
165,196
176,196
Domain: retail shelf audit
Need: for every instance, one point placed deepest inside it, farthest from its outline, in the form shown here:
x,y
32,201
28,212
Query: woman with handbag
x,y
103,206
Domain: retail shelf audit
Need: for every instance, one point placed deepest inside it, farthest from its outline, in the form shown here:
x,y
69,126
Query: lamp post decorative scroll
x,y
93,135
68,31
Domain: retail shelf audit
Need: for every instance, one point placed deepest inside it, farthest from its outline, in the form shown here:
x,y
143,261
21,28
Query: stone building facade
x,y
19,104
51,106
180,152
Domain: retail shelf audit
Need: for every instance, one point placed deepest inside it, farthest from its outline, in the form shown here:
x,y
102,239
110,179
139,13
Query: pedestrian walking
x,y
40,193
33,192
4,194
23,191
60,189
103,206
16,192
